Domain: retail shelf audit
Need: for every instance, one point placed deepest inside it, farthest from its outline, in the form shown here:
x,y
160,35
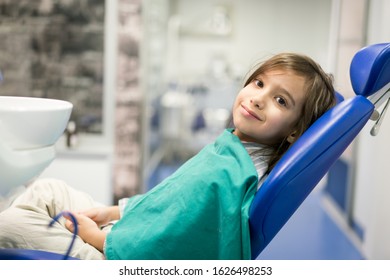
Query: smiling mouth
x,y
251,113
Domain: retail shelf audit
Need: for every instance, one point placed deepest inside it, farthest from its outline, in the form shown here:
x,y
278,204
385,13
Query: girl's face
x,y
267,109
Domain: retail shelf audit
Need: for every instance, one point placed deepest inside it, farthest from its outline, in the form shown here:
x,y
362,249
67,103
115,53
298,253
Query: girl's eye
x,y
259,83
281,101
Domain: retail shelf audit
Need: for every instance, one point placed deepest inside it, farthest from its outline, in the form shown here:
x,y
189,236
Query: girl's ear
x,y
292,137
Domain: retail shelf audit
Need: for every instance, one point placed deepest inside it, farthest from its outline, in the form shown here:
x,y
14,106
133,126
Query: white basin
x,y
29,122
29,128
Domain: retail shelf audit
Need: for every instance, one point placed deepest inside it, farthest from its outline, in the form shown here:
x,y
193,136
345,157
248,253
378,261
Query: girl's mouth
x,y
249,113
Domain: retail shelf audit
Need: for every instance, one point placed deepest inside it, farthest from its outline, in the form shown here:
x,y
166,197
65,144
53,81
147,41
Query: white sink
x,y
29,128
29,122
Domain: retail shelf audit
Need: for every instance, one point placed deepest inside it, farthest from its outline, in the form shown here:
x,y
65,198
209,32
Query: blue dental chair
x,y
310,158
312,155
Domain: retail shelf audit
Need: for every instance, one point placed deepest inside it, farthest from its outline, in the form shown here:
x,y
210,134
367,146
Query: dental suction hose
x,y
75,232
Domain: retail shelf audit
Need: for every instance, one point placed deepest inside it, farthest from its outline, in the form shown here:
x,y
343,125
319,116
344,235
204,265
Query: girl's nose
x,y
258,101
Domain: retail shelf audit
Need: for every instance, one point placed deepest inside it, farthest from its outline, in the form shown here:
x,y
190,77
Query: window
x,y
54,49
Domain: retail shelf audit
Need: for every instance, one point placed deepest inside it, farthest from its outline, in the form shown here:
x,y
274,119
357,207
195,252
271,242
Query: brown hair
x,y
320,94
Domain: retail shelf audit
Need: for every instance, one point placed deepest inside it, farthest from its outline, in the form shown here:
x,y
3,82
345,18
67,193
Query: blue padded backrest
x,y
370,69
302,167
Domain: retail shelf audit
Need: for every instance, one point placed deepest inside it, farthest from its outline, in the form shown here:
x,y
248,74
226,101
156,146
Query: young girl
x,y
200,211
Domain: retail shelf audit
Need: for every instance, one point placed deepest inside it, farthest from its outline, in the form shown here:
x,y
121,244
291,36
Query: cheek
x,y
239,97
237,104
282,125
276,117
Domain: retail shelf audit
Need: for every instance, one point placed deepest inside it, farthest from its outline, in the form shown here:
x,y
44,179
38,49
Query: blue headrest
x,y
370,69
302,167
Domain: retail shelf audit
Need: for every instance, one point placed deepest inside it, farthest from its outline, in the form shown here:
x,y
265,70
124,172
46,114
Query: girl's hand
x,y
88,230
102,215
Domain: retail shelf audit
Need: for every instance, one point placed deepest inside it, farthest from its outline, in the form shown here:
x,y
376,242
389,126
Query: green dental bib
x,y
199,212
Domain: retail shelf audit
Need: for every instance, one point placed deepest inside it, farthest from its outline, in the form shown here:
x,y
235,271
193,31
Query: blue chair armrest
x,y
25,254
